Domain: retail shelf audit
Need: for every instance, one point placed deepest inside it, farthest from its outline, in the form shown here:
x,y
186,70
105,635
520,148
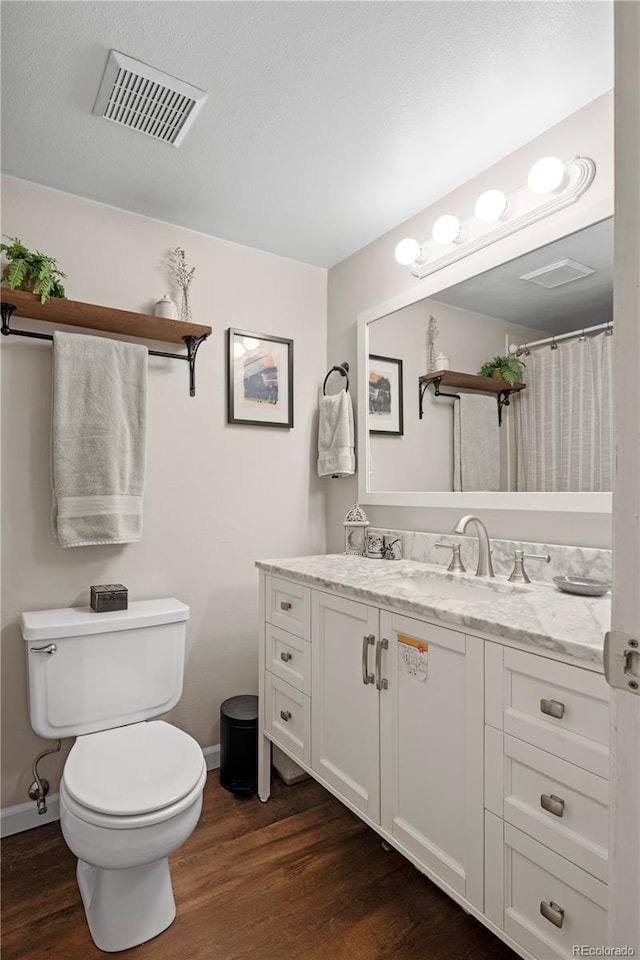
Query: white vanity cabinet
x,y
485,765
547,801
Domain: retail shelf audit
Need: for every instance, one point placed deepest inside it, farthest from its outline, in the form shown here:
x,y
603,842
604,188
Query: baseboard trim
x,y
24,816
212,756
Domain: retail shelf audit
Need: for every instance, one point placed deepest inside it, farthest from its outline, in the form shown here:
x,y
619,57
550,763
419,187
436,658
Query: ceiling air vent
x,y
564,271
139,96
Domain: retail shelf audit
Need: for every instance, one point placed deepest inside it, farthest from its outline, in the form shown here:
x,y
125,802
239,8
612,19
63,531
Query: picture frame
x,y
259,379
386,397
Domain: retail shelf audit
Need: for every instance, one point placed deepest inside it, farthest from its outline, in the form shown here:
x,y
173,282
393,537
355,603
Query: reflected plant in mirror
x,y
508,368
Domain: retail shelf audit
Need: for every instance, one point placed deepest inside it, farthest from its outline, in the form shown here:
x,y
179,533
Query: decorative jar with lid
x,y
166,308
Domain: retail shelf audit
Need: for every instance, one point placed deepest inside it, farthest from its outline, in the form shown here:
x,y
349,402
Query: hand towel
x,y
476,443
336,453
98,437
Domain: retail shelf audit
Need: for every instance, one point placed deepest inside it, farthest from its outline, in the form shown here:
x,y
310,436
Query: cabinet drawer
x,y
535,880
557,803
288,606
559,708
287,717
288,657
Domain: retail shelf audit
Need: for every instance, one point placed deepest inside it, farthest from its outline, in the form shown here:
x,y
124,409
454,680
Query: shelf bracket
x,y
437,392
503,401
191,343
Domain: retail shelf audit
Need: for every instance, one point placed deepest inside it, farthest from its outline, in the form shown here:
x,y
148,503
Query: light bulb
x,y
546,175
446,229
250,342
238,350
407,251
490,206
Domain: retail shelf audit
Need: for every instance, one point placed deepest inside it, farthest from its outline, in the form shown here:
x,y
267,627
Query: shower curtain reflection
x,y
564,418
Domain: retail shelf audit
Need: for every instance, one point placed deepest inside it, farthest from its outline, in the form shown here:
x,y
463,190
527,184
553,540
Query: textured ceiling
x,y
327,122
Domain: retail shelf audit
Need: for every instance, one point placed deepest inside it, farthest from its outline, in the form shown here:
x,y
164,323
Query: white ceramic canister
x,y
442,362
166,308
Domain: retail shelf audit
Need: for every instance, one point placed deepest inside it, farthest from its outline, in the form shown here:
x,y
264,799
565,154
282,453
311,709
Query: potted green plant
x,y
34,272
503,368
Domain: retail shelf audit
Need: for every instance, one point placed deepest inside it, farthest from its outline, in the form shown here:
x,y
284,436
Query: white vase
x,y
166,308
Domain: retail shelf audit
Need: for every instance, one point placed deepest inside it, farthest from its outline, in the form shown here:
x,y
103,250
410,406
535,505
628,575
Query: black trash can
x,y
239,745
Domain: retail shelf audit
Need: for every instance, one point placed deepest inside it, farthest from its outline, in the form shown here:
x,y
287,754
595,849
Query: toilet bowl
x,y
128,798
131,790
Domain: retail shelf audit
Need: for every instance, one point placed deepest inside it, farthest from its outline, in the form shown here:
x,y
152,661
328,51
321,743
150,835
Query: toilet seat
x,y
140,773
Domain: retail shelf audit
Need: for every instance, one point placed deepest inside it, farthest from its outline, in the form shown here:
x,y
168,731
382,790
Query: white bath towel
x,y
476,443
98,437
336,453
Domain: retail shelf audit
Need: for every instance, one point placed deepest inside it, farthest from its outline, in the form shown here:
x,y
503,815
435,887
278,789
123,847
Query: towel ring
x,y
343,370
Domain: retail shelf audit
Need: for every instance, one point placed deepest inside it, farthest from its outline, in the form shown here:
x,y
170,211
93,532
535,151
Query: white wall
x,y
422,459
371,277
217,496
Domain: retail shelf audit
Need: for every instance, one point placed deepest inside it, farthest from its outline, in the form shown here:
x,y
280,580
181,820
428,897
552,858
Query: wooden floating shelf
x,y
93,317
470,381
466,381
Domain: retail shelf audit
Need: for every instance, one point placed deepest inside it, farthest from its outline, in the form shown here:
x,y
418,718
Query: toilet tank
x,y
93,671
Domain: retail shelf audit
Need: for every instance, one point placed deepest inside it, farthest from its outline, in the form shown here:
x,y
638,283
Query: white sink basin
x,y
430,586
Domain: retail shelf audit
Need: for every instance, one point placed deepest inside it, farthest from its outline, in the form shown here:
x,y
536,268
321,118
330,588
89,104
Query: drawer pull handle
x,y
286,715
285,656
552,804
285,605
367,641
552,912
553,708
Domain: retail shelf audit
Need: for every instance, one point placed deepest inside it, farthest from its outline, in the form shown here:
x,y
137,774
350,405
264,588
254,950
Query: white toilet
x,y
131,791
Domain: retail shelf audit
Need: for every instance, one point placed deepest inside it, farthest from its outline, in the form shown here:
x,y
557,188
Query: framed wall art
x,y
260,379
385,395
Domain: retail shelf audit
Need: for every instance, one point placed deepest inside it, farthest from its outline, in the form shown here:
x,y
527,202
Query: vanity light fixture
x,y
546,176
407,251
446,229
250,343
551,186
491,206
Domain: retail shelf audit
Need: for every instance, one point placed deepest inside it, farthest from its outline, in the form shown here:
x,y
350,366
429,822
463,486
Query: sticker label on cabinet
x,y
414,656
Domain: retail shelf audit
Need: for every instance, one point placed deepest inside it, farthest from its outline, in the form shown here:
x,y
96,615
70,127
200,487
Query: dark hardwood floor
x,y
298,878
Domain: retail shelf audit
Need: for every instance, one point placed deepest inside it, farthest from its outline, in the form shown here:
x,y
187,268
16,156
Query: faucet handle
x,y
456,565
519,574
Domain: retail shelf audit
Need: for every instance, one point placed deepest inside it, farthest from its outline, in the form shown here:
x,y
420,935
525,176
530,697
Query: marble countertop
x,y
535,614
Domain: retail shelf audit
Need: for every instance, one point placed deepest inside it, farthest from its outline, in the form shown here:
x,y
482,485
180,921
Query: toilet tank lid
x,y
82,621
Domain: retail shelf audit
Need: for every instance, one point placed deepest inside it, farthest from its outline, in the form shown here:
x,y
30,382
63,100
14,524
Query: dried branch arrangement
x,y
432,333
183,276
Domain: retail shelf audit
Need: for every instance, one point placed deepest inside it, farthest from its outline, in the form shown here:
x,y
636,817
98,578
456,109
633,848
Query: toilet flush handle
x,y
50,648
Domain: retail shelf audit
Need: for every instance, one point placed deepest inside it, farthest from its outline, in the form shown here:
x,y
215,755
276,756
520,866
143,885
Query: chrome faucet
x,y
485,567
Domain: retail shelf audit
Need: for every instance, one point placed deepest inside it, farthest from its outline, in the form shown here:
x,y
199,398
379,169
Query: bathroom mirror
x,y
552,450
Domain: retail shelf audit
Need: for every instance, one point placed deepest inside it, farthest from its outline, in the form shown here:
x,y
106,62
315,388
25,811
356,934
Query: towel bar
x,y
191,343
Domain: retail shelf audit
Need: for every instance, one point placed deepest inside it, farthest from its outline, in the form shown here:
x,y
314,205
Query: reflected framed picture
x,y
259,379
385,396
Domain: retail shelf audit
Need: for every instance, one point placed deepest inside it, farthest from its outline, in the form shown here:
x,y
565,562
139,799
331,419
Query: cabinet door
x,y
345,709
431,749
